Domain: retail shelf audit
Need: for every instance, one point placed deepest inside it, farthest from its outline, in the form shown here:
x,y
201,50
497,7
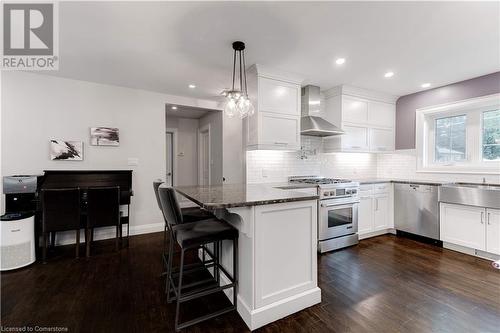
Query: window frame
x,y
473,109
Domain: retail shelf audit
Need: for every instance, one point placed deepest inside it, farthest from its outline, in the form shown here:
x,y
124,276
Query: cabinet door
x,y
381,139
355,138
493,231
281,131
463,225
381,212
279,97
365,215
381,114
354,110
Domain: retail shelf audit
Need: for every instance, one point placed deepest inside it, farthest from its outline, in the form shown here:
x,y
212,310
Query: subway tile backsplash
x,y
266,166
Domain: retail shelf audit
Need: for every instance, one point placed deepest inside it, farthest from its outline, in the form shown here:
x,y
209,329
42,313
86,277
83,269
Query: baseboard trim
x,y
68,237
278,310
470,251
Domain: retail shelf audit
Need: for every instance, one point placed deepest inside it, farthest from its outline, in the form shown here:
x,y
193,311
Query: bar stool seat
x,y
204,231
192,214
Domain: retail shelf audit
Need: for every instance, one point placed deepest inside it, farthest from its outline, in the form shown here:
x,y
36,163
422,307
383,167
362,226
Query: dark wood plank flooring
x,y
385,284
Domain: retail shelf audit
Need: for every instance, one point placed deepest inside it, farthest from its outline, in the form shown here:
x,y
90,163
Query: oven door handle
x,y
340,205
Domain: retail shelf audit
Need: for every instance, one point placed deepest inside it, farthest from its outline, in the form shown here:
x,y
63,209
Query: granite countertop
x,y
240,195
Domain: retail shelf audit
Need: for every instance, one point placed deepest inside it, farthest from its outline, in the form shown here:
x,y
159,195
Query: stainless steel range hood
x,y
314,125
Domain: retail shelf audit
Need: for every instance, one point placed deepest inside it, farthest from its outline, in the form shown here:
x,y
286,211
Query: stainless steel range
x,y
337,211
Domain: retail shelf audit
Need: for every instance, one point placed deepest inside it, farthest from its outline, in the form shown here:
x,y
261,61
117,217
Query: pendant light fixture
x,y
237,101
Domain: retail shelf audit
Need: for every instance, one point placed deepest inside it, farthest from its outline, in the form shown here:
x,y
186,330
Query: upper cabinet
x,y
367,118
276,98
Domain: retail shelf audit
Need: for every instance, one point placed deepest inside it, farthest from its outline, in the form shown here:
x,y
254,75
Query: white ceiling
x,y
184,111
164,46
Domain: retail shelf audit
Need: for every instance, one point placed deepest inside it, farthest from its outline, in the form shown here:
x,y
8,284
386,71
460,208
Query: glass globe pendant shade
x,y
230,107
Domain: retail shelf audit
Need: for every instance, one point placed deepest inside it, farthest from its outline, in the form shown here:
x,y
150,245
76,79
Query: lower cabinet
x,y
493,231
473,227
375,209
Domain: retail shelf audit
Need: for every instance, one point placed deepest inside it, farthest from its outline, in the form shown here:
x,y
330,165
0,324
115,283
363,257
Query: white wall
x,y
37,108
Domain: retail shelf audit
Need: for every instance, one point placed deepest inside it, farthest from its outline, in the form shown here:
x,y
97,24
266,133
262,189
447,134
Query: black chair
x,y
192,236
103,210
60,212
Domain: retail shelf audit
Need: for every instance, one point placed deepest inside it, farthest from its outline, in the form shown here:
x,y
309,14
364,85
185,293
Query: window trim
x,y
473,108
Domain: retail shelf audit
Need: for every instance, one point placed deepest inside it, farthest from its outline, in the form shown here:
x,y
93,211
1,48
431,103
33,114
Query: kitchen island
x,y
277,246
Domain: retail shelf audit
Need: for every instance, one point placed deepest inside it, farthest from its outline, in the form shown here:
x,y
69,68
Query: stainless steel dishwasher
x,y
416,209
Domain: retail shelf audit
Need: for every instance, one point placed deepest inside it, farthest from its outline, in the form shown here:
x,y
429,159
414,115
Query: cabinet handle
x,y
482,216
376,203
281,143
355,147
489,218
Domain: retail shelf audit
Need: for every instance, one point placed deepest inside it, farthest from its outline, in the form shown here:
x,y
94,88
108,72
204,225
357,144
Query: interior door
x,y
204,157
170,159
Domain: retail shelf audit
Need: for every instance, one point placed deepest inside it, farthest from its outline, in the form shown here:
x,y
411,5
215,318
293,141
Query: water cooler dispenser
x,y
17,232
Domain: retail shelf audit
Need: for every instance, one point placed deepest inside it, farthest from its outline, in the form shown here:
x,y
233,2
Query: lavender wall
x,y
406,105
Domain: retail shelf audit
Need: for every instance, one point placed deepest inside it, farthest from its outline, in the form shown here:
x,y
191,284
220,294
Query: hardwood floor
x,y
385,284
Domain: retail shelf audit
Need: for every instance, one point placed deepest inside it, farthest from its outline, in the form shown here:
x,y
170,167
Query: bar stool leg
x,y
179,291
88,231
169,265
77,243
235,272
117,239
44,249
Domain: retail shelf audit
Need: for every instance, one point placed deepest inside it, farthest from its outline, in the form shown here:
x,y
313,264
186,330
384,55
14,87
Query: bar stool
x,y
189,214
193,236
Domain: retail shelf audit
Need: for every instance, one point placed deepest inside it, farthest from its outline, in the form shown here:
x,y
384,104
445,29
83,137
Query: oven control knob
x,y
354,191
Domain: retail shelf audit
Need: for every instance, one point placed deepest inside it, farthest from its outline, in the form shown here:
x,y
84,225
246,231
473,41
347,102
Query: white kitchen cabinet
x,y
276,98
381,212
463,225
354,110
279,97
493,231
355,138
375,209
381,114
366,117
381,139
365,215
280,130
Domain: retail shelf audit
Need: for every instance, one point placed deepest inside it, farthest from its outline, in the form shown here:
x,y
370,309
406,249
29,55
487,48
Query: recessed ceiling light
x,y
340,61
174,107
389,74
192,86
425,85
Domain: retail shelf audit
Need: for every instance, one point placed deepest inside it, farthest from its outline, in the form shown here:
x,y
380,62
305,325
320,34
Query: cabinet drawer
x,y
365,190
381,188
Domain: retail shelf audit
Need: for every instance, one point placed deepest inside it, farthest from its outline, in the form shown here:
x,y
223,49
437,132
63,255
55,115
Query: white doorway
x,y
171,169
204,155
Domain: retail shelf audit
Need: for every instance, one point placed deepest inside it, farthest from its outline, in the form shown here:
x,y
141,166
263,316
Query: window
x,y
491,135
460,137
450,139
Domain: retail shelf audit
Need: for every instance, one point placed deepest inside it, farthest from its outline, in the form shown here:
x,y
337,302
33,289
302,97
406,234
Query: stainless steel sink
x,y
483,195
